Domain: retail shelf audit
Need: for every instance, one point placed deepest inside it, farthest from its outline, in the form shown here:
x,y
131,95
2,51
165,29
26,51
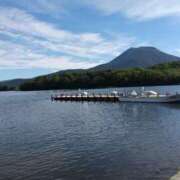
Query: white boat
x,y
149,97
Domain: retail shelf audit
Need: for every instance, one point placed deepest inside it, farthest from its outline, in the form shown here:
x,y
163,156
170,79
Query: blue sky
x,y
43,36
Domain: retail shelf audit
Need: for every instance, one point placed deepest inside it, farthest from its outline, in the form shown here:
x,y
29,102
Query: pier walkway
x,y
93,97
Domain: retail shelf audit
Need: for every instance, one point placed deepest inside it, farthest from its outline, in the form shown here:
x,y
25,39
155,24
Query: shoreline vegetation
x,y
6,88
162,74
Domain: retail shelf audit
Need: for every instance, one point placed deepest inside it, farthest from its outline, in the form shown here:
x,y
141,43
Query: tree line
x,y
163,74
5,88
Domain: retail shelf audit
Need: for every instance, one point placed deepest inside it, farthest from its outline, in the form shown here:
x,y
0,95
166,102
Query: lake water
x,y
40,139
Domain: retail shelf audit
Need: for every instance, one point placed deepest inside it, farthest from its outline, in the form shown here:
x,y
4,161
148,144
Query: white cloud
x,y
175,51
60,63
35,43
137,9
44,6
54,8
13,56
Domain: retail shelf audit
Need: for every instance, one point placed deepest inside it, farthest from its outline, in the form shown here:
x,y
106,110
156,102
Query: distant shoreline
x,y
112,87
158,75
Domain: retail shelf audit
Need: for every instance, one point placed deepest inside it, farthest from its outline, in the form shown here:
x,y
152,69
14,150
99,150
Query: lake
x,y
40,139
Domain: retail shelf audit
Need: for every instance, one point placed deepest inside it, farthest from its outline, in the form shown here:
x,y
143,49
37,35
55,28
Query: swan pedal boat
x,y
149,97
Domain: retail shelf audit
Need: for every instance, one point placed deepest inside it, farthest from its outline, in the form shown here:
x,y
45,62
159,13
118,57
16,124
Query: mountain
x,y
66,71
13,83
161,74
138,57
16,82
134,57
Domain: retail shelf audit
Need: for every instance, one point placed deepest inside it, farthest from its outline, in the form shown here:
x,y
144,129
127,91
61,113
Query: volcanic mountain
x,y
138,57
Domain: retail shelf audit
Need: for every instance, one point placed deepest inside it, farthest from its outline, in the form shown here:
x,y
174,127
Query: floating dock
x,y
143,97
94,97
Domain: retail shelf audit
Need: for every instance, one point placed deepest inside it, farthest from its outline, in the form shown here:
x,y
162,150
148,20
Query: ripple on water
x,y
40,139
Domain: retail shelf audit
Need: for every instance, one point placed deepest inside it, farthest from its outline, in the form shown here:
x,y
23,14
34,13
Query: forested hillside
x,y
162,74
6,88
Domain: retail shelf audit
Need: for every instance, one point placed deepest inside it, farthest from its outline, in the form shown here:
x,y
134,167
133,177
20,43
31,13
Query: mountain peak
x,y
142,48
138,57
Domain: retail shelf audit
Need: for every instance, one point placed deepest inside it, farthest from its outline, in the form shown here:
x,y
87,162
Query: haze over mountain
x,y
138,57
134,57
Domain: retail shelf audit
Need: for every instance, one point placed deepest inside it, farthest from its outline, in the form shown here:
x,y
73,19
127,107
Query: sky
x,y
43,36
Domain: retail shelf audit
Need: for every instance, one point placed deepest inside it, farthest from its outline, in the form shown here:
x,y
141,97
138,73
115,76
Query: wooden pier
x,y
93,97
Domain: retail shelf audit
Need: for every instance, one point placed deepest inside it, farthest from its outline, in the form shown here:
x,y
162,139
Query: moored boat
x,y
149,97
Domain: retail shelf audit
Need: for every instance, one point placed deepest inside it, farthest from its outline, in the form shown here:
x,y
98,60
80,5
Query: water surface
x,y
40,139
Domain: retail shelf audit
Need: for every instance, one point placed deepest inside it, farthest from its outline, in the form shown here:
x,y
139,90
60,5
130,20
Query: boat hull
x,y
164,99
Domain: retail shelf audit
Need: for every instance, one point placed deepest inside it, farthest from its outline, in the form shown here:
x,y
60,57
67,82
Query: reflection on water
x,y
40,139
174,106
